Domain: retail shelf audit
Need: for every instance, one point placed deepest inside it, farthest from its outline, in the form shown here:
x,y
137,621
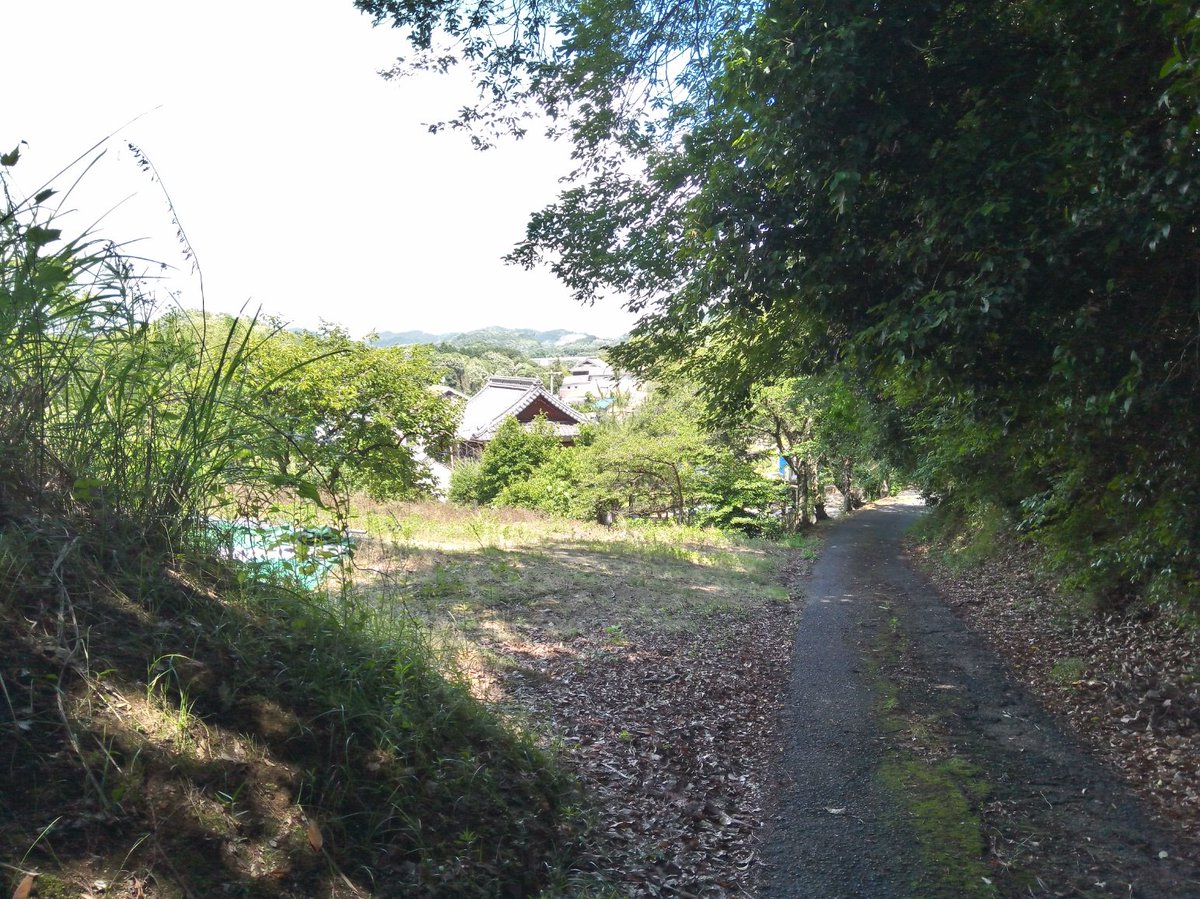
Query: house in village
x,y
439,472
594,380
521,398
448,393
588,378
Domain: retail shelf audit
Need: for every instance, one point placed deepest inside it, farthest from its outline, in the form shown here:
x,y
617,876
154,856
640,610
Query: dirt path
x,y
914,766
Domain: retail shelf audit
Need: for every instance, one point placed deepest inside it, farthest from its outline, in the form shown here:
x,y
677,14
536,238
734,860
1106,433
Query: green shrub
x,y
464,482
559,486
513,455
966,534
734,496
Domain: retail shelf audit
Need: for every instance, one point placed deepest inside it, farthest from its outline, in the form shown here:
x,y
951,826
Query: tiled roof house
x,y
521,398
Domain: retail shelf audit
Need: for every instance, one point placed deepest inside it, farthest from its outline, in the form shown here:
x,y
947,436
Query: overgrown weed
x,y
465,572
964,538
178,722
284,702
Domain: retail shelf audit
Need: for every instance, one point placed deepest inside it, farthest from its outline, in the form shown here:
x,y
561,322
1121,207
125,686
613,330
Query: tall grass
x,y
109,413
156,419
56,296
119,433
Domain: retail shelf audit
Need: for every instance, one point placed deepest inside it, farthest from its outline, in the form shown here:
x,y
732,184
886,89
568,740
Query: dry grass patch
x,y
651,658
503,577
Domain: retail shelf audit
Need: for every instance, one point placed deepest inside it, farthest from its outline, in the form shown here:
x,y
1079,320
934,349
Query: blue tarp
x,y
270,551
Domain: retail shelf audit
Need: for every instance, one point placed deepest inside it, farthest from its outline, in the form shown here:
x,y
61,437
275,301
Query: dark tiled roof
x,y
502,397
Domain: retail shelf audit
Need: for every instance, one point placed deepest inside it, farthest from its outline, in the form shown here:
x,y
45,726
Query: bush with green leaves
x,y
651,463
562,485
343,415
513,455
464,481
734,495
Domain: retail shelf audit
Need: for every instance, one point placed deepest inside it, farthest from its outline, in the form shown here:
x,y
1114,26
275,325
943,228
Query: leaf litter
x,y
656,668
657,674
1127,685
671,736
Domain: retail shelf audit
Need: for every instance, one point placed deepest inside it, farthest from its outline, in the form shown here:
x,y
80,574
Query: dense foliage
x,y
340,415
987,213
467,368
106,414
983,215
512,456
667,460
152,422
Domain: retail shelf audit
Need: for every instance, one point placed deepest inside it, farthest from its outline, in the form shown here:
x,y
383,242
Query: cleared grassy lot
x,y
649,659
482,577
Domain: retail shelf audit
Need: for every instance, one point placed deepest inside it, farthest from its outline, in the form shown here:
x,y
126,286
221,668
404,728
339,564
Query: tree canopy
x,y
335,413
985,214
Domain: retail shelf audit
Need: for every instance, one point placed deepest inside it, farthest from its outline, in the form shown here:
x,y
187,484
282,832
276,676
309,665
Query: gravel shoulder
x,y
914,764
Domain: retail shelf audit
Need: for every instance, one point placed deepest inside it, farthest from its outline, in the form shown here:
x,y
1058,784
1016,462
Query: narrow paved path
x,y
914,766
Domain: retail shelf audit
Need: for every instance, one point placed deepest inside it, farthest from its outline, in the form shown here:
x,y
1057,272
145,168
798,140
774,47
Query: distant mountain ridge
x,y
525,340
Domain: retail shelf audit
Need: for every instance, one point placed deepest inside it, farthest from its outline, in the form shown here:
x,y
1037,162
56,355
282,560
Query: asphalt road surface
x,y
914,766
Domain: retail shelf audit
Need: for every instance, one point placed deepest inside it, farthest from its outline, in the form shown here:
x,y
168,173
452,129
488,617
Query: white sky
x,y
306,183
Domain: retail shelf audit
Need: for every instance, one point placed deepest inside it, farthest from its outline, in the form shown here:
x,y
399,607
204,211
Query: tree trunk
x,y
847,472
797,516
818,495
804,476
678,491
791,518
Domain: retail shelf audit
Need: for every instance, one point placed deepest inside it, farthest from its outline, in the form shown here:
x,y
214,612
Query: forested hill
x,y
526,341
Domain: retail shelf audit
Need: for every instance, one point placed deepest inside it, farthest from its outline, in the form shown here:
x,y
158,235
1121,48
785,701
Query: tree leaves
x,y
336,413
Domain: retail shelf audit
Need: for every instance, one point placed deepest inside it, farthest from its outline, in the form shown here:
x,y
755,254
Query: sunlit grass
x,y
483,576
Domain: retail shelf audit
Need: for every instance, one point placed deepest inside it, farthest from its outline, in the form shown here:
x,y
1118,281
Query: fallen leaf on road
x,y
315,840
